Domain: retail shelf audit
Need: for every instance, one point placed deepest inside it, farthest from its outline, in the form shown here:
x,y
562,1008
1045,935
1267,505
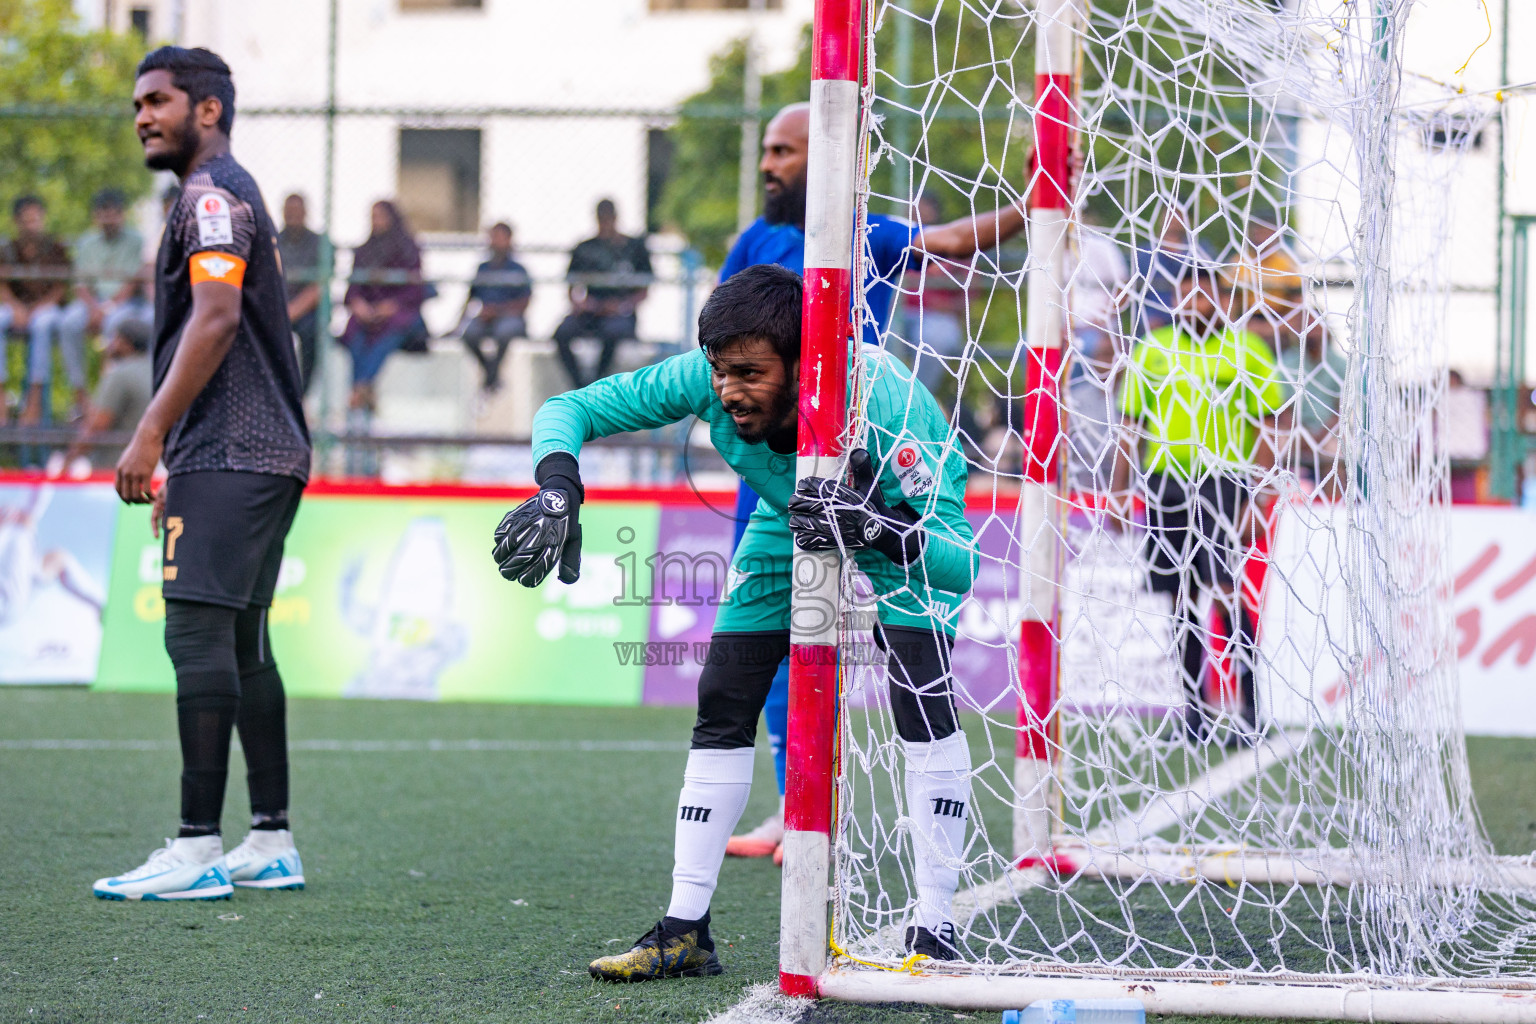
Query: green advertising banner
x,y
390,597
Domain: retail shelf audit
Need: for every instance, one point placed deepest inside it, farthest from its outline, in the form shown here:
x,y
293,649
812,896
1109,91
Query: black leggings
x,y
734,684
226,678
1192,634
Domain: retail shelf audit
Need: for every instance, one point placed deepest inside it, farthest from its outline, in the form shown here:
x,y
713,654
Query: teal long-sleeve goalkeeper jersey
x,y
909,441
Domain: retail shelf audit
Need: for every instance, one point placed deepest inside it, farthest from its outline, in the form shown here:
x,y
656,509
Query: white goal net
x,y
1246,775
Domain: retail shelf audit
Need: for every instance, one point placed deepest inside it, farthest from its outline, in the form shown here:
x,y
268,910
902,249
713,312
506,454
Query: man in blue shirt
x,y
892,246
502,288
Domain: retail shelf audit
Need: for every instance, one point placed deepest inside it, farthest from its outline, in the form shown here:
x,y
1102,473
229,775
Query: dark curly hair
x,y
762,301
199,73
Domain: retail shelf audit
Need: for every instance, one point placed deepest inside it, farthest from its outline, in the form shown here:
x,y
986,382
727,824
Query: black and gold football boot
x,y
672,949
936,945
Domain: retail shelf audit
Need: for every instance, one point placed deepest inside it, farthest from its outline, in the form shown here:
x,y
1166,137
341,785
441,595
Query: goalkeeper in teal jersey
x,y
901,515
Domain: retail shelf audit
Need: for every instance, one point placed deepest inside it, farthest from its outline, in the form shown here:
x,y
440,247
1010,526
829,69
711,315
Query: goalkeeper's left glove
x,y
545,529
826,515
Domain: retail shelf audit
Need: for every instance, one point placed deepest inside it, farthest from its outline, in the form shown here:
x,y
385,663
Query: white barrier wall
x,y
1493,571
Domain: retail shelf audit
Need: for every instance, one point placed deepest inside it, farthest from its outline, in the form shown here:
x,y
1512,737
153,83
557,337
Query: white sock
x,y
275,840
938,788
715,788
199,849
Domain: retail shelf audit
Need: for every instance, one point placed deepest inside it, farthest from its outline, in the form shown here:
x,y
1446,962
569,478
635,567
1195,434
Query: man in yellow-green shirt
x,y
1199,404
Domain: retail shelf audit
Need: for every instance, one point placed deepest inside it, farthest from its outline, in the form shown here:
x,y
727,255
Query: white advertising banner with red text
x,y
1491,627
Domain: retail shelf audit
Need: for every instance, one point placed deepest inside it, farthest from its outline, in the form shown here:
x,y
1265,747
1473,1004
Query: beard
x,y
778,414
787,205
180,158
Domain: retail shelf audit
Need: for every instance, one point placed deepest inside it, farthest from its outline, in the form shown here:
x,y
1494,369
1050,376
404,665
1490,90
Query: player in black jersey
x,y
227,422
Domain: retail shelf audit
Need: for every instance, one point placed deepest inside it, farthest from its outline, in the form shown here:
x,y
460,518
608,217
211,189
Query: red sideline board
x,y
390,592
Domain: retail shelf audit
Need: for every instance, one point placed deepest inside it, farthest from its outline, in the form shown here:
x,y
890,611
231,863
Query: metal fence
x,y
456,169
453,173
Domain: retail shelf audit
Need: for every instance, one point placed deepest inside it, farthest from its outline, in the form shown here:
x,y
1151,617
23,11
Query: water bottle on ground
x,y
1079,1011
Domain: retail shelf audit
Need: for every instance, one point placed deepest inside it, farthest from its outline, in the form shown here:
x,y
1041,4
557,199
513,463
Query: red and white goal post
x,y
1333,864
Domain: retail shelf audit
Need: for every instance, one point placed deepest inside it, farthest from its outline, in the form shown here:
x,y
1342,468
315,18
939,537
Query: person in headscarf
x,y
384,297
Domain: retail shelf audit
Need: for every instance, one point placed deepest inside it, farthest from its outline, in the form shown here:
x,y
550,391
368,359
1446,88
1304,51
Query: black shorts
x,y
1194,532
223,536
734,684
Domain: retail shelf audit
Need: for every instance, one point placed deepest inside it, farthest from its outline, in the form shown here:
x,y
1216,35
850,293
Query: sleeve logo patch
x,y
912,470
217,266
213,221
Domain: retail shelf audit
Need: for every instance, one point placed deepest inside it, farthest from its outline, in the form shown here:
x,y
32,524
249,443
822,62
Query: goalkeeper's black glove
x,y
545,529
827,515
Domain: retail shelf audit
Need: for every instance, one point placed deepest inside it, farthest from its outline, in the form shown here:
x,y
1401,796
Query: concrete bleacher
x,y
438,392
532,373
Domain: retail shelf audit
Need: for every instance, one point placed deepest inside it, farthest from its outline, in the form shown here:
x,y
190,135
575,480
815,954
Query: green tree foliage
x,y
1167,121
65,120
954,85
1171,119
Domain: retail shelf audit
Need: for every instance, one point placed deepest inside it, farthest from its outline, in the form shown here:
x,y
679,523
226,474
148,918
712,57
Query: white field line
x,y
1167,809
764,1004
383,746
1186,803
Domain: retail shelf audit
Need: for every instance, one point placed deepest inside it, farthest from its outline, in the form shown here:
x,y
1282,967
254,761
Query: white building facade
x,y
469,113
510,67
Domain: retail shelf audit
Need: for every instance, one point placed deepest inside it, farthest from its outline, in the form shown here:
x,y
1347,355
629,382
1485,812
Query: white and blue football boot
x,y
182,869
267,859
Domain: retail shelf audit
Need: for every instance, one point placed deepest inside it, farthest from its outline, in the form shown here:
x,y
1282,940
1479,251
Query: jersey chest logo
x,y
213,221
912,470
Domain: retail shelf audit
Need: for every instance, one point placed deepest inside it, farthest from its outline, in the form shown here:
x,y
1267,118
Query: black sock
x,y
1245,648
205,722
262,721
678,926
200,638
1192,661
264,738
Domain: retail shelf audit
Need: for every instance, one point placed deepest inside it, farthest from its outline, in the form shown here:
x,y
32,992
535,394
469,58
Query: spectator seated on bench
x,y
609,275
34,278
384,299
111,278
123,393
502,289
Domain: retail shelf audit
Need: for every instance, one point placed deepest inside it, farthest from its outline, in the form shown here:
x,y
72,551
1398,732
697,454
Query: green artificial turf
x,y
445,885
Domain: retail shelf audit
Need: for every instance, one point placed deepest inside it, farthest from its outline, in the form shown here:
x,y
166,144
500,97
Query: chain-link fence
x,y
346,106
453,174
437,410
464,116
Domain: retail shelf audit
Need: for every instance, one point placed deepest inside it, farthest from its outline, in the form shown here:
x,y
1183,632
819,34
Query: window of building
x,y
658,168
138,20
712,5
439,180
441,5
1452,132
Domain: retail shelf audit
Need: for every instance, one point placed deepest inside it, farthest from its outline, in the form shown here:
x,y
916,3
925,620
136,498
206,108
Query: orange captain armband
x,y
222,267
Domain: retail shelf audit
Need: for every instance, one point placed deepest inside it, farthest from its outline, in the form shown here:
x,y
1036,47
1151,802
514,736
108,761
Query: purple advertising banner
x,y
687,575
1115,632
694,546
